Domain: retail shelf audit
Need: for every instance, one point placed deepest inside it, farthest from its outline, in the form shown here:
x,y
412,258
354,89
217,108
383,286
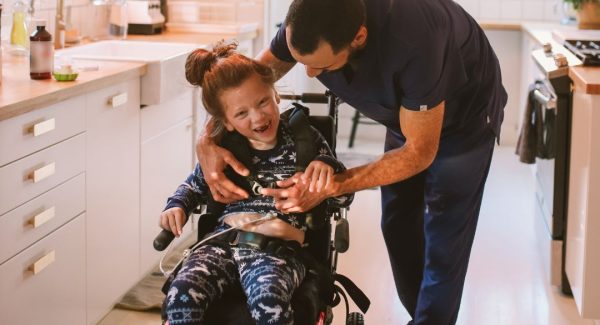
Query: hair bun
x,y
201,61
197,64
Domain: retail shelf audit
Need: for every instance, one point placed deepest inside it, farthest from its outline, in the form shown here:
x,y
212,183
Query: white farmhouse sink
x,y
165,76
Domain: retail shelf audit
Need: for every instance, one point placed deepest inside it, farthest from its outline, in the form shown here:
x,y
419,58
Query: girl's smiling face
x,y
251,109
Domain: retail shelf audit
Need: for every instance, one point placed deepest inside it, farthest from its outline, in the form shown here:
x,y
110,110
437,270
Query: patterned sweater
x,y
271,165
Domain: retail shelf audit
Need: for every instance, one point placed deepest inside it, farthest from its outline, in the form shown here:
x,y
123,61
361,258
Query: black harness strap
x,y
359,298
304,135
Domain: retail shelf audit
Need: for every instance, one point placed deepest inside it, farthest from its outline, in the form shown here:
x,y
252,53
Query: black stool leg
x,y
353,130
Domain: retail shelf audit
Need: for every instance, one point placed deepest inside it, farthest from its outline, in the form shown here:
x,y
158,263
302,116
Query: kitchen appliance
x,y
585,44
145,17
587,51
552,92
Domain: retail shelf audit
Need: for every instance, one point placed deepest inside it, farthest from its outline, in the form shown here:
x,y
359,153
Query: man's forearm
x,y
280,68
393,166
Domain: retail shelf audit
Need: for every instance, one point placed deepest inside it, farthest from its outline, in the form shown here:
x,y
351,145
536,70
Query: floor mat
x,y
146,294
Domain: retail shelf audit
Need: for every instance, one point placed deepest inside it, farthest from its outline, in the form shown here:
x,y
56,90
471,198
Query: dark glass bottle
x,y
41,57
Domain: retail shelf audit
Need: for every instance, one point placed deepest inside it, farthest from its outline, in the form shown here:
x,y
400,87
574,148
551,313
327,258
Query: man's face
x,y
323,59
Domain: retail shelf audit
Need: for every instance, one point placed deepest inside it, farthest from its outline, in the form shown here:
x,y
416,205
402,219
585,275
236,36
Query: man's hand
x,y
294,195
319,175
213,160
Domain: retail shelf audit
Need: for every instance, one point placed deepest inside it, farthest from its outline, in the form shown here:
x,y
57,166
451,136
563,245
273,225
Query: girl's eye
x,y
264,102
241,114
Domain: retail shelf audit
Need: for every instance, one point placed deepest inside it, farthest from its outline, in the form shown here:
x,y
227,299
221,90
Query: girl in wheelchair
x,y
239,94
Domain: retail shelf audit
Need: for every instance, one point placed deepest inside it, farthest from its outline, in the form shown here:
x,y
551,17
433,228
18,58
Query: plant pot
x,y
588,15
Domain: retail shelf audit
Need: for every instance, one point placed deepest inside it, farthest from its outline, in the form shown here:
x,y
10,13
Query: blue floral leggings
x,y
268,281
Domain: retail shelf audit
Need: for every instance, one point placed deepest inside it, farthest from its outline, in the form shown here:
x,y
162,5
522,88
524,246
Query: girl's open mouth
x,y
263,128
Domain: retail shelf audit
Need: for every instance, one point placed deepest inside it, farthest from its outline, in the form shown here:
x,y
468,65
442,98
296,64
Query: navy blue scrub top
x,y
418,54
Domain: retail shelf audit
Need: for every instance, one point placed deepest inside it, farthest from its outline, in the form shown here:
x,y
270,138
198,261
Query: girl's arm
x,y
190,193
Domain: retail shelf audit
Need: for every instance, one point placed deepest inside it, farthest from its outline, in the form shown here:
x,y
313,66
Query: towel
x,y
537,136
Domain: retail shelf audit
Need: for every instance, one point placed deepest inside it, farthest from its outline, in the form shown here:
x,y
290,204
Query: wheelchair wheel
x,y
355,318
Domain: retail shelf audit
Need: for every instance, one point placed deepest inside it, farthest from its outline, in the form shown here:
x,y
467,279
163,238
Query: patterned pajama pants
x,y
268,281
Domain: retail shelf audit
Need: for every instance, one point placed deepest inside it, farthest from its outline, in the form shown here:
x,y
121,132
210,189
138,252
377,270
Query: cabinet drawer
x,y
55,293
36,130
157,118
35,219
33,175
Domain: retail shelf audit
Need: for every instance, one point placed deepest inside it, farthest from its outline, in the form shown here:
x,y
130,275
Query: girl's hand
x,y
319,175
173,219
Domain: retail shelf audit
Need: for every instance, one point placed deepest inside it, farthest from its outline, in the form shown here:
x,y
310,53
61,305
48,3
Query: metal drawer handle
x,y
549,102
118,100
43,127
42,218
44,172
42,263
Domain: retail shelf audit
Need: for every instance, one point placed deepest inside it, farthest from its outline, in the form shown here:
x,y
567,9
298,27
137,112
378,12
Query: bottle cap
x,y
40,22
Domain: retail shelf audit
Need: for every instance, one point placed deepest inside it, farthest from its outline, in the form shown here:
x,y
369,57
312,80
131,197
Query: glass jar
x,y
117,27
19,37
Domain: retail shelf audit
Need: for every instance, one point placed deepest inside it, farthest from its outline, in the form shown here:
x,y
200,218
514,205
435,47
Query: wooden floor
x,y
506,283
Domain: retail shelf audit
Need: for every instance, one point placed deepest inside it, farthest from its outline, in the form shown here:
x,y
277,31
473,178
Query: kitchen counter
x,y
587,78
19,94
195,38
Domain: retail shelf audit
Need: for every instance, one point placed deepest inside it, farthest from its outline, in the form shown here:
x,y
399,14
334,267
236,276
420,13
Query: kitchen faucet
x,y
59,26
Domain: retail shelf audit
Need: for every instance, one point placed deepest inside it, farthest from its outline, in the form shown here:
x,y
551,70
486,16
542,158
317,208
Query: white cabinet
x,y
42,234
166,160
112,191
583,225
82,184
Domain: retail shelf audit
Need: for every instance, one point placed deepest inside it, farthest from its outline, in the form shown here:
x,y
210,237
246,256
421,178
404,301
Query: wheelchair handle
x,y
162,241
342,236
318,98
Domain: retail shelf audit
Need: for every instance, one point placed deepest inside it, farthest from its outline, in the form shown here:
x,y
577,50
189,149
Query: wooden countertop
x,y
19,94
195,38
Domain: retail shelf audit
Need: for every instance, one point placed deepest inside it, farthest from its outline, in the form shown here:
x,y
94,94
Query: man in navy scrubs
x,y
425,70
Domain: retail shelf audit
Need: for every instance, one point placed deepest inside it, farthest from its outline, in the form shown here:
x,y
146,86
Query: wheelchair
x,y
323,288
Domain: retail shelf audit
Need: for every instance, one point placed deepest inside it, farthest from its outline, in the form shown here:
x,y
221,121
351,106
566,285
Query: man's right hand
x,y
213,160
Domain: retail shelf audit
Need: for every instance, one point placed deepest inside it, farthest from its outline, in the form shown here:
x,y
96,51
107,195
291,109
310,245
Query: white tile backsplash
x,y
533,10
489,9
499,10
511,10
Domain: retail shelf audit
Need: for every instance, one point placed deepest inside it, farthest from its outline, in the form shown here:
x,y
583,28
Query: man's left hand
x,y
293,195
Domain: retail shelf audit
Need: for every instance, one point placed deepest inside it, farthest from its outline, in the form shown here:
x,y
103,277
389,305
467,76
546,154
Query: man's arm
x,y
422,131
279,67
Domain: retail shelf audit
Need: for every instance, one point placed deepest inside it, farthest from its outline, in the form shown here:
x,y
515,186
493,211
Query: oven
x,y
552,102
551,171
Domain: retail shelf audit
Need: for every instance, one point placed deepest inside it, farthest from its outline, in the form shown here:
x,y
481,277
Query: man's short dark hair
x,y
334,21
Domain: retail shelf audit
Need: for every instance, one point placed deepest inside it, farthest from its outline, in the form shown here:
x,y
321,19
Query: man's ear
x,y
360,38
277,98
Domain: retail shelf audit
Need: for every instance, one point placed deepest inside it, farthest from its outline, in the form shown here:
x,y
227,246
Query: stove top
x,y
587,51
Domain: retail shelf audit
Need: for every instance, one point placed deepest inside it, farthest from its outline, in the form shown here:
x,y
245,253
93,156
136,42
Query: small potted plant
x,y
588,13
